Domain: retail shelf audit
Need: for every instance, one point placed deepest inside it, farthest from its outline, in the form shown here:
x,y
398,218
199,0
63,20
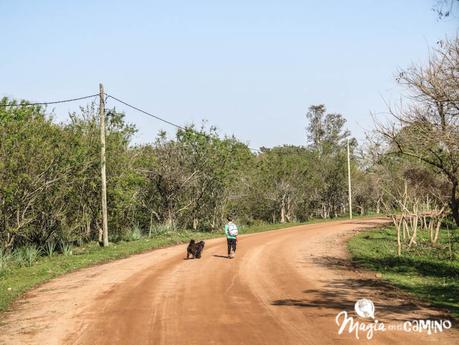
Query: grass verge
x,y
428,272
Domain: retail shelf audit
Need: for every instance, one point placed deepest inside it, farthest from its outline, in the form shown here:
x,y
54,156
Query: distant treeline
x,y
50,177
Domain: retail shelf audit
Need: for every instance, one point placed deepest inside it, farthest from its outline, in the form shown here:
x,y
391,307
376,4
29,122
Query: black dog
x,y
195,249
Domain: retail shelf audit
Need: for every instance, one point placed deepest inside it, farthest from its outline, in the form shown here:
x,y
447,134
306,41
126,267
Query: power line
x,y
48,103
146,112
160,118
106,97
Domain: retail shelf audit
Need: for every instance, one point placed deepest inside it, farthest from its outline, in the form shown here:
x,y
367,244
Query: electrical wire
x,y
48,103
106,97
159,118
146,112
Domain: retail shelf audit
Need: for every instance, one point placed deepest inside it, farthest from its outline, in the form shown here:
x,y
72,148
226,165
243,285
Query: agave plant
x,y
50,248
67,248
26,256
31,254
135,234
160,229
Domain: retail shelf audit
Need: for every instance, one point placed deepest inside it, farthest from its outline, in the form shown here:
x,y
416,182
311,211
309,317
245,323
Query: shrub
x,y
50,248
18,256
5,257
66,248
160,229
31,254
135,234
26,256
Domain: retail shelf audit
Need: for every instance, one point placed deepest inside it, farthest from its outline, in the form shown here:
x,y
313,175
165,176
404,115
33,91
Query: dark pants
x,y
231,244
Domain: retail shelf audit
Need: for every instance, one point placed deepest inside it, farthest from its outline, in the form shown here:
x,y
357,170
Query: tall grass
x,y
26,256
5,258
134,235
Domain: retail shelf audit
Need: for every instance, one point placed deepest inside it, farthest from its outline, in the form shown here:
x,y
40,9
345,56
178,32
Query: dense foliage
x,y
50,180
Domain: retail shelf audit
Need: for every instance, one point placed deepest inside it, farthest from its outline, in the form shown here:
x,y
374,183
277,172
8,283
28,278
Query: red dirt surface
x,y
283,287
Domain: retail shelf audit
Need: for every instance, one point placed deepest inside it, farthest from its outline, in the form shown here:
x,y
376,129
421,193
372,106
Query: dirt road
x,y
283,287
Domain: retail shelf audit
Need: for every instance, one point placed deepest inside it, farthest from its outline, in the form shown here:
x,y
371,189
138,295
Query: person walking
x,y
231,233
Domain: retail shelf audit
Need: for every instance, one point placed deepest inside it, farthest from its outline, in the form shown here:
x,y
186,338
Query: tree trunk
x,y
437,231
150,228
405,228
398,225
9,241
454,203
414,226
100,235
289,214
282,220
170,218
431,229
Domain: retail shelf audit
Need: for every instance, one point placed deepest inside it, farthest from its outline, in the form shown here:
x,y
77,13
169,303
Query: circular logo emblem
x,y
365,308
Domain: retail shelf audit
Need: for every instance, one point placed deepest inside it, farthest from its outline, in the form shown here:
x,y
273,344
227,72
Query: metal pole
x,y
349,179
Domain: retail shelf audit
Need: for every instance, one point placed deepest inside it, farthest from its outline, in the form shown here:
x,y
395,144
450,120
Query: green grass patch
x,y
431,273
16,279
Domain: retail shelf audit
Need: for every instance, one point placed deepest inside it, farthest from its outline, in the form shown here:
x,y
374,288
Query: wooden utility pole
x,y
349,179
102,165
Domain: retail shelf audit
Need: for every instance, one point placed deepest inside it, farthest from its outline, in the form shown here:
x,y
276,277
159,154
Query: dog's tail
x,y
192,242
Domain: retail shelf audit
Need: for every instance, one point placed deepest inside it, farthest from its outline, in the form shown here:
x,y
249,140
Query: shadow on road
x,y
340,294
220,256
334,263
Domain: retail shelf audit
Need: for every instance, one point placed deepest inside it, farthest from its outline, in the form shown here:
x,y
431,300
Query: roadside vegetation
x,y
416,155
50,183
428,271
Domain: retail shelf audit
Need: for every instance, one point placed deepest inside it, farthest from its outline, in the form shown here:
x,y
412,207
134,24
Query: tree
x,y
50,180
327,138
444,8
427,129
325,131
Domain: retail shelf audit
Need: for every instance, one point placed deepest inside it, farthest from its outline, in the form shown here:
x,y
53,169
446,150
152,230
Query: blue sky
x,y
252,68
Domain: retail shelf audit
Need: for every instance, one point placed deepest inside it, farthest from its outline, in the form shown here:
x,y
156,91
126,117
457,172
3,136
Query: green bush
x,y
66,248
50,248
133,235
26,256
5,258
31,254
160,229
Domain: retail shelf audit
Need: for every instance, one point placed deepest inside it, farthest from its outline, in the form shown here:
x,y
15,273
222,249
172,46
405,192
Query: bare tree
x,y
426,129
444,8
